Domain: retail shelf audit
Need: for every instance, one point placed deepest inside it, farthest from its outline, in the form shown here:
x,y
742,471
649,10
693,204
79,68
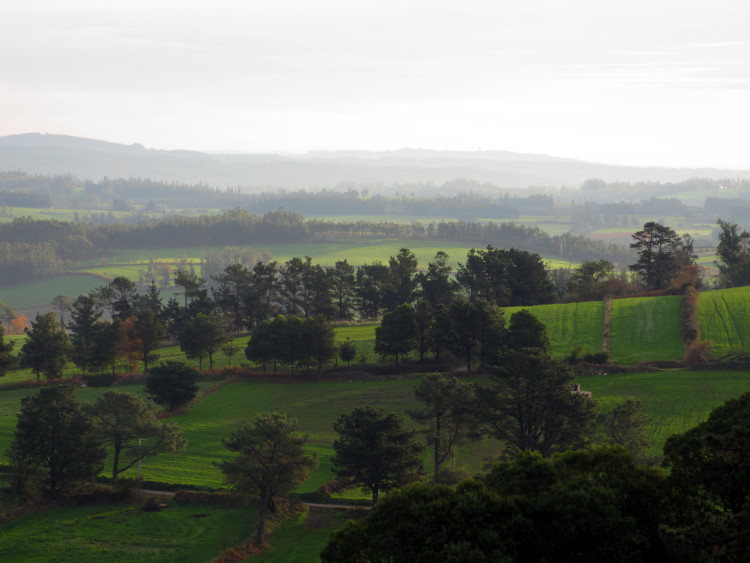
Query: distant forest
x,y
728,198
31,249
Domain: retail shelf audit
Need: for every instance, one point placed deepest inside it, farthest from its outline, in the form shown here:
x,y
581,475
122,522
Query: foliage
x,y
7,359
53,435
581,506
397,332
203,335
733,253
270,463
531,405
625,425
46,348
172,384
347,351
526,331
661,254
448,412
374,450
129,424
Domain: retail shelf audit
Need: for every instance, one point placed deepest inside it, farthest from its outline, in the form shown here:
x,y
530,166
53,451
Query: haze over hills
x,y
92,159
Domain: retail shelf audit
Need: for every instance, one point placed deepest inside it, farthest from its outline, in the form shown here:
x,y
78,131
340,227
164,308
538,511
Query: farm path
x,y
170,494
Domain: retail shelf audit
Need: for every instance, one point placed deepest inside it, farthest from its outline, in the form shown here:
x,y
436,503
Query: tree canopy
x,y
270,462
374,450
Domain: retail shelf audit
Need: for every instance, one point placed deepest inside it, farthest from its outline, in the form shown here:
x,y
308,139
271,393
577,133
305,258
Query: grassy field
x,y
645,329
124,533
724,319
317,404
302,539
569,325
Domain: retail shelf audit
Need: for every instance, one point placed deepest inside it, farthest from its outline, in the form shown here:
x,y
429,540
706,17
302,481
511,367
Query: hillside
x,y
91,159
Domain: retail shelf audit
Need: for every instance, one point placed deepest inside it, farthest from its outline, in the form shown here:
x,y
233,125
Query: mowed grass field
x,y
121,533
569,325
675,400
724,319
646,329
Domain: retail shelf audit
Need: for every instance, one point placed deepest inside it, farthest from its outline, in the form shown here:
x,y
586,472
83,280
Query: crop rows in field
x,y
645,329
724,319
569,325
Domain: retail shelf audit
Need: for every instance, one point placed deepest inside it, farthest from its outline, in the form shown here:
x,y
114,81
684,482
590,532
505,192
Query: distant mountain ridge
x,y
92,159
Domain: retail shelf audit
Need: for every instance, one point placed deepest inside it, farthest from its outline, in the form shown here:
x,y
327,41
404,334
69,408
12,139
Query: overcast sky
x,y
656,82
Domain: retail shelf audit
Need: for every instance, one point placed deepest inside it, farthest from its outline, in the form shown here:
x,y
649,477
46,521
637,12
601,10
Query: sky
x,y
638,82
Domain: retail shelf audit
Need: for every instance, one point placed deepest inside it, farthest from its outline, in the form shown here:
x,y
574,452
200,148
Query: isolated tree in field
x,y
531,405
374,450
203,335
347,351
733,251
7,359
271,461
129,424
46,348
230,350
396,333
448,414
54,436
661,254
526,331
172,384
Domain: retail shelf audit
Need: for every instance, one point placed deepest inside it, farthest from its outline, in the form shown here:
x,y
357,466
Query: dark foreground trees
x,y
270,462
374,450
54,437
583,506
129,424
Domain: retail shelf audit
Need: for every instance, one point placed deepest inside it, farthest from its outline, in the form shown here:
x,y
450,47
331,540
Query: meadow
x,y
105,533
316,405
724,320
646,329
569,325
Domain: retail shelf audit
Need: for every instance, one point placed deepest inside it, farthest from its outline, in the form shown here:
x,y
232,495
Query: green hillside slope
x,y
724,319
569,324
645,329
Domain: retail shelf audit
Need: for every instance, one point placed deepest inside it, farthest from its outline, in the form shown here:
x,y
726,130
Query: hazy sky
x,y
621,81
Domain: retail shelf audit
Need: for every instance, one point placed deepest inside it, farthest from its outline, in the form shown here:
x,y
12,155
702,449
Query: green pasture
x,y
124,533
645,329
724,319
674,399
301,539
569,325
